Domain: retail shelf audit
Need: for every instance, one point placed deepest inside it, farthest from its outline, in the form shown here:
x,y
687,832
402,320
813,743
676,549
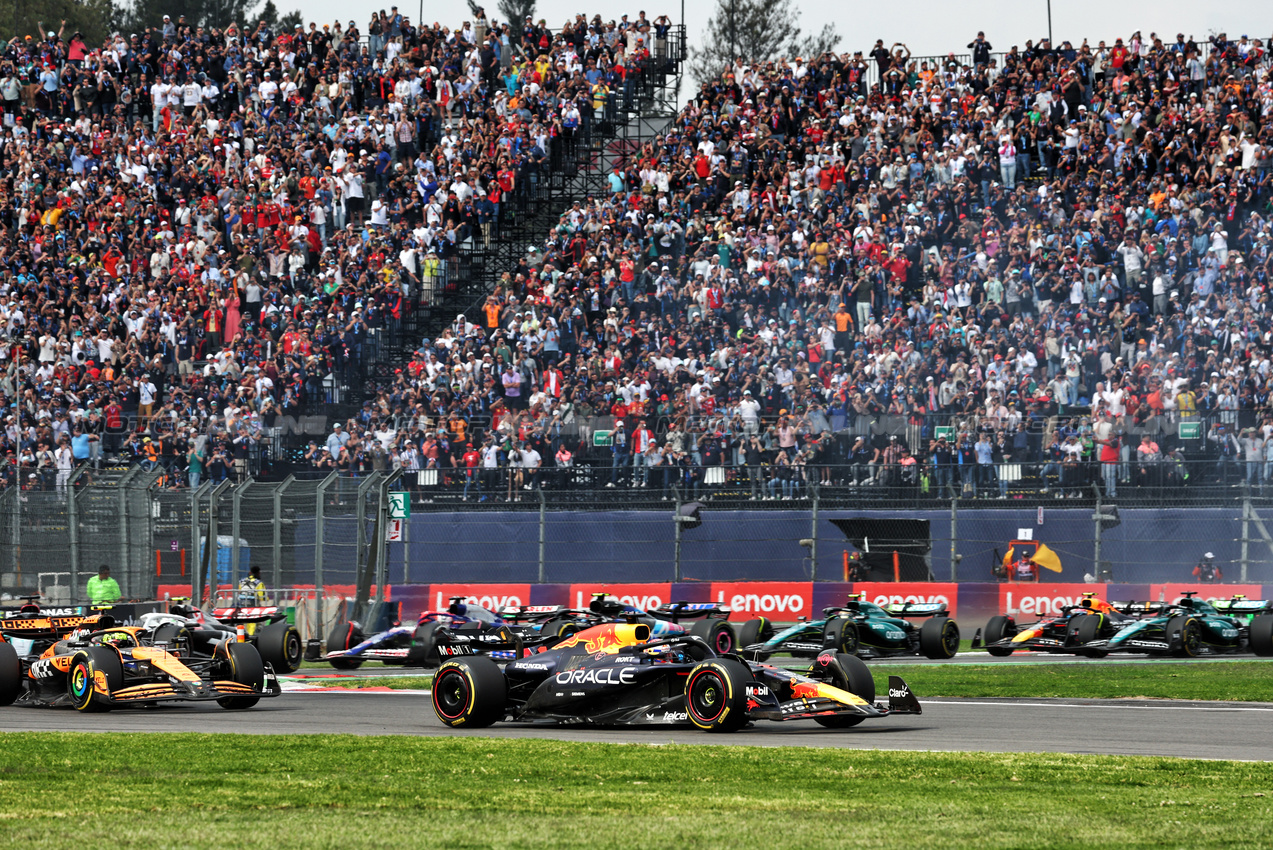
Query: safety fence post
x,y
1246,532
364,555
277,579
196,546
212,550
381,530
73,532
813,535
319,509
1096,548
125,562
676,520
236,519
543,519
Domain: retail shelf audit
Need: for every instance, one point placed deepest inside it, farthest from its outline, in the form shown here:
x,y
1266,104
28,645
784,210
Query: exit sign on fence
x,y
399,506
1190,430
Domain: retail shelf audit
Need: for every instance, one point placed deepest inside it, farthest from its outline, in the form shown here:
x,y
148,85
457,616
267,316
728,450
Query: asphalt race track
x,y
1131,727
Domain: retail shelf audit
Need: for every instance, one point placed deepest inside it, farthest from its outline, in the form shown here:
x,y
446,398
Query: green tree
x,y
139,14
289,21
515,12
91,18
756,31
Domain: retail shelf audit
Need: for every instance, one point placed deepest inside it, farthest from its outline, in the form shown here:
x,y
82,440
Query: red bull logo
x,y
607,638
820,690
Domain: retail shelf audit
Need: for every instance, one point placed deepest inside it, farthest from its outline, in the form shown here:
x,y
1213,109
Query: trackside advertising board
x,y
971,602
1030,600
643,596
1209,592
492,597
886,593
781,601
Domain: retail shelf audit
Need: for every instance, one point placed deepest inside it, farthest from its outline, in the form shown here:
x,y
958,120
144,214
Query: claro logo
x,y
765,603
1039,604
898,693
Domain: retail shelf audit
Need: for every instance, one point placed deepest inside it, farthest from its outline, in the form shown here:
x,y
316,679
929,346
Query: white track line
x,y
1102,704
395,692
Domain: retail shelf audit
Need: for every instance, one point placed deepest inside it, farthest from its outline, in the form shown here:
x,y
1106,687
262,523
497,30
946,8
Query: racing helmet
x,y
120,638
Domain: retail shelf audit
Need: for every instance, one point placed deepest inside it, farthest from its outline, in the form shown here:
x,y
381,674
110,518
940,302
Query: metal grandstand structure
x,y
632,116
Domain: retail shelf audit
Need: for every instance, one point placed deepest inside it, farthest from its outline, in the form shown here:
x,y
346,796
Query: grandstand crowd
x,y
847,270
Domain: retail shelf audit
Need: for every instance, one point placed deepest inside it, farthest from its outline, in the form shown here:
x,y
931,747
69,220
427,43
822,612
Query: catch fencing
x,y
321,543
158,541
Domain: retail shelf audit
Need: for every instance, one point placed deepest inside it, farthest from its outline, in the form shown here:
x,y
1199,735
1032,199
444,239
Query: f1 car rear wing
x,y
919,609
51,622
1242,606
246,615
1143,609
530,613
677,611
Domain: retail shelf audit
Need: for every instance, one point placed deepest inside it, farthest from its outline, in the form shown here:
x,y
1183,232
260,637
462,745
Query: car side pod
x,y
900,698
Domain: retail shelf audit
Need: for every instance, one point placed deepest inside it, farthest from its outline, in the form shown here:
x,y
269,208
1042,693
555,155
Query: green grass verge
x,y
217,791
1244,681
1236,680
397,683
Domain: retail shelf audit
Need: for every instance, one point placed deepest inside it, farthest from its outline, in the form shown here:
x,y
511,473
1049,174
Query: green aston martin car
x,y
866,630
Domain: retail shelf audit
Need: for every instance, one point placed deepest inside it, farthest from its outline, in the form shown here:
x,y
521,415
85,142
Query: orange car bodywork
x,y
161,660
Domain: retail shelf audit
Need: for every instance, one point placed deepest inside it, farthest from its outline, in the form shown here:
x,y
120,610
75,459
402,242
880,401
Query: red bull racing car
x,y
614,675
704,619
1071,631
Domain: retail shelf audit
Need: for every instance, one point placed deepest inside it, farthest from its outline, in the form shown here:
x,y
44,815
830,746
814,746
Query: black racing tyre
x,y
997,629
562,627
718,634
177,638
1262,634
10,674
84,666
840,635
343,636
242,663
857,680
469,692
1084,629
716,695
939,638
424,646
1190,636
753,631
280,646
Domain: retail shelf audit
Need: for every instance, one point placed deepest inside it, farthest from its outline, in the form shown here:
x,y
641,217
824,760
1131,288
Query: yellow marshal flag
x,y
1046,558
1043,556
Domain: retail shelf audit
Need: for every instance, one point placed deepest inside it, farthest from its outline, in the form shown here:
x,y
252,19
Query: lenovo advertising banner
x,y
492,597
1209,592
780,601
643,596
1029,600
885,593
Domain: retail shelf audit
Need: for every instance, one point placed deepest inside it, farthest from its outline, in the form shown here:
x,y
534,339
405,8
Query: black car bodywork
x,y
613,675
